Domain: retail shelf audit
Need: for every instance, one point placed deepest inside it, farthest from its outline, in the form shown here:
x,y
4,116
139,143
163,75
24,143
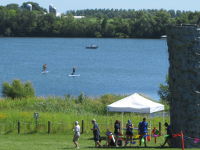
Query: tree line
x,y
17,21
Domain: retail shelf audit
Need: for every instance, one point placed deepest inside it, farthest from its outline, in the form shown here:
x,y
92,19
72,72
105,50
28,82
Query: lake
x,y
118,66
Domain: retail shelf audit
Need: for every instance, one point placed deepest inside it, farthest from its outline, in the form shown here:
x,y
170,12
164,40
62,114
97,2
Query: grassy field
x,y
61,142
61,112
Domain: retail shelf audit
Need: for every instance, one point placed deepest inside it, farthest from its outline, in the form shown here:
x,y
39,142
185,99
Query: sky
x,y
63,5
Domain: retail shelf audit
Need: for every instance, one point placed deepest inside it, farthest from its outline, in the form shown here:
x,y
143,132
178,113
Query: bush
x,y
164,92
81,98
18,89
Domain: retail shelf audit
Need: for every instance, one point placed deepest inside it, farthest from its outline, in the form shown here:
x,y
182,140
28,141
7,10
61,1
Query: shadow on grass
x,y
128,147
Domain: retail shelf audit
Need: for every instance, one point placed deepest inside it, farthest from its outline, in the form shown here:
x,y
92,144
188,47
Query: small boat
x,y
92,47
163,36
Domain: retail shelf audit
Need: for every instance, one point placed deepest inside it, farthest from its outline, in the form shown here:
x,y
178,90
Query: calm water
x,y
118,66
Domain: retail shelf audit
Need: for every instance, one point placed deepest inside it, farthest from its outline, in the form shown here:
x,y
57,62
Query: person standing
x,y
143,129
44,67
73,71
76,134
129,132
169,134
96,133
117,128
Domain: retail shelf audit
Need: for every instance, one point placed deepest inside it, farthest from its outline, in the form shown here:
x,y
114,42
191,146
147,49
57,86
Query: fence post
x,y
18,127
82,127
182,140
160,128
49,127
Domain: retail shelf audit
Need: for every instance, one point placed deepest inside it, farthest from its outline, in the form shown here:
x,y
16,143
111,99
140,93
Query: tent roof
x,y
135,103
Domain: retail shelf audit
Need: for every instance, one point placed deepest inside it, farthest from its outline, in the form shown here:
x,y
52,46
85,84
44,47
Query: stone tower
x,y
184,82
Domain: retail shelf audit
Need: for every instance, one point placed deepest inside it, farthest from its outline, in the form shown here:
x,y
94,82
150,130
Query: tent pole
x,y
122,121
107,120
163,117
150,123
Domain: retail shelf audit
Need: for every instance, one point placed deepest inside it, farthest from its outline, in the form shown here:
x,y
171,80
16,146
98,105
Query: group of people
x,y
96,133
44,69
117,138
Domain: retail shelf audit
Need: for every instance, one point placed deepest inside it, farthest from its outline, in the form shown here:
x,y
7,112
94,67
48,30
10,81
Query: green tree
x,y
17,89
150,23
13,6
35,7
164,92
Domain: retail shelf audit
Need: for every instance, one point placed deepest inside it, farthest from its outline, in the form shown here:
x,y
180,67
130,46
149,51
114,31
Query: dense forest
x,y
18,21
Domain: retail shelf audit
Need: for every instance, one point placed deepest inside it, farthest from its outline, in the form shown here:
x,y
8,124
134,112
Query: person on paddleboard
x,y
44,67
73,71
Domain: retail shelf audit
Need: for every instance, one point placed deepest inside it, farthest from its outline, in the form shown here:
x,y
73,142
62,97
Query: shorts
x,y
142,134
117,134
129,133
97,138
76,137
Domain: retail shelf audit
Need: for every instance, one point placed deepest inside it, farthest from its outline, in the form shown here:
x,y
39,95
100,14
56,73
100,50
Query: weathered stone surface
x,y
184,82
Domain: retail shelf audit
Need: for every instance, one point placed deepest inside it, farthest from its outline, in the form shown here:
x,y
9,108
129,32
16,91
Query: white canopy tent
x,y
135,103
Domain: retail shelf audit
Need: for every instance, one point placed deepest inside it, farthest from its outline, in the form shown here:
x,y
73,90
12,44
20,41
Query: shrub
x,y
164,92
81,98
18,89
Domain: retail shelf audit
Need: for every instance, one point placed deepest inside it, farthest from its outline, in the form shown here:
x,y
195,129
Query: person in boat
x,y
44,67
73,71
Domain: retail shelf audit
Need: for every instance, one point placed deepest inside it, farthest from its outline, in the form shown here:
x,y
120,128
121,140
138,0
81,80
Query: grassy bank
x,y
62,112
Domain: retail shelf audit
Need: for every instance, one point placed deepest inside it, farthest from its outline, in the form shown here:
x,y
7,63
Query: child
x,y
76,134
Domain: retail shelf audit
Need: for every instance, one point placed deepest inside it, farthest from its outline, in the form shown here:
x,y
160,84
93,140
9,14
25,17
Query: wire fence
x,y
50,127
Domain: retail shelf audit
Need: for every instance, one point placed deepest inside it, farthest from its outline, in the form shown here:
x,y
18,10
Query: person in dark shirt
x,y
117,128
44,67
129,132
73,71
143,129
169,134
96,133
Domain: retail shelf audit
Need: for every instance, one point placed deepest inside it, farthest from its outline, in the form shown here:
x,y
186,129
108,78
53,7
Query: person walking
x,y
76,134
169,134
142,130
96,133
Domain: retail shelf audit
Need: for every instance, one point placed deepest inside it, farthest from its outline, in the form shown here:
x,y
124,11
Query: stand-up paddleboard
x,y
45,72
74,75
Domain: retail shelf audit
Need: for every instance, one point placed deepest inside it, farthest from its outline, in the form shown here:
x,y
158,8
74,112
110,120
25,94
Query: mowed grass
x,y
61,142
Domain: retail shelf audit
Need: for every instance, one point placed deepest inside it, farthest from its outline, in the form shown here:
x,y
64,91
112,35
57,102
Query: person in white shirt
x,y
76,134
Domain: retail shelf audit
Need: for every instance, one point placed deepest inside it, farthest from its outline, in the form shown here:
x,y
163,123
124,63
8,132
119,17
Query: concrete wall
x,y
184,82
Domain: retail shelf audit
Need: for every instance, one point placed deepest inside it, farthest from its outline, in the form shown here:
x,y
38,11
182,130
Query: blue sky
x,y
63,5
